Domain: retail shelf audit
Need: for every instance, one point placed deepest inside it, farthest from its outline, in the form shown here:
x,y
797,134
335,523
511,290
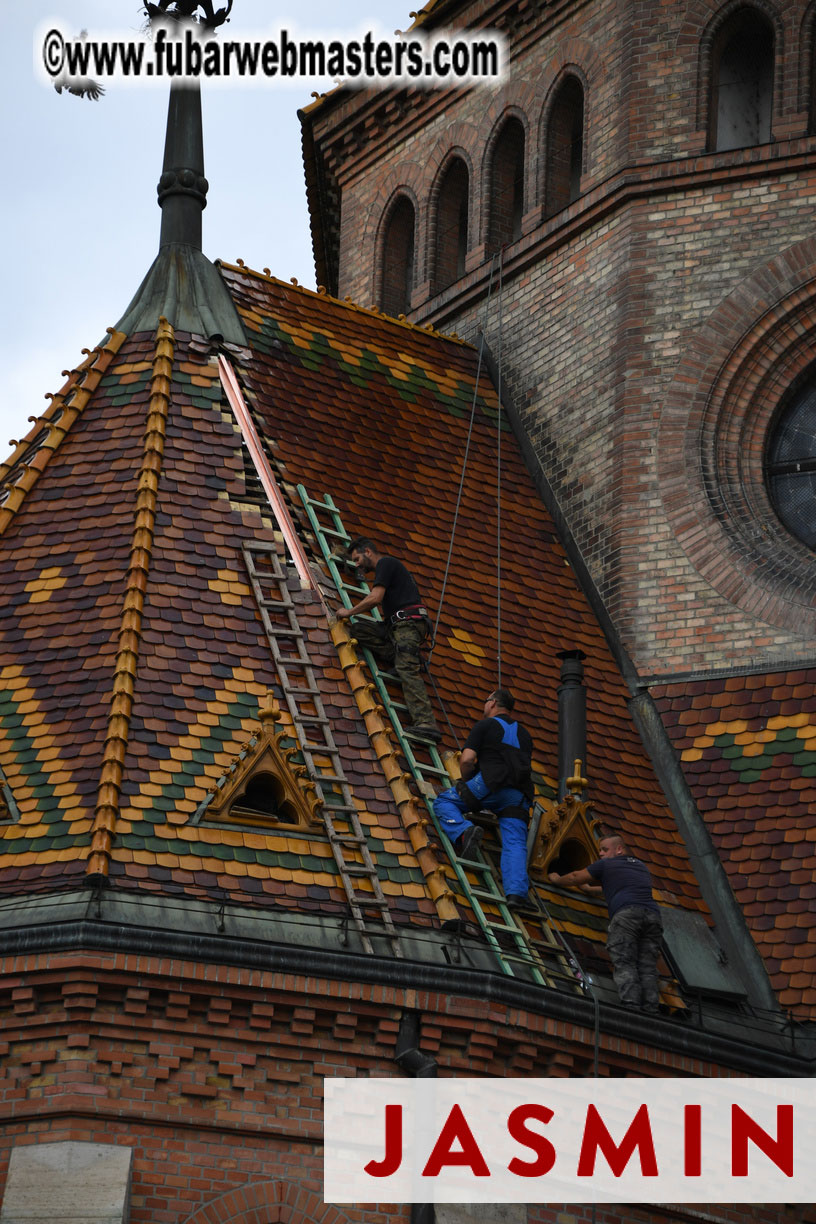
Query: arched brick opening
x,y
726,393
739,53
397,254
451,231
268,1202
807,68
564,146
506,185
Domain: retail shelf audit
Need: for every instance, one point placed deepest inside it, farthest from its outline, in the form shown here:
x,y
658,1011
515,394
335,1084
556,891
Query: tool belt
x,y
413,612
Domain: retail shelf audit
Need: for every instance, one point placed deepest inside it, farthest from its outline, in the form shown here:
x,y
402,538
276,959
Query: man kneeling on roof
x,y
496,775
394,641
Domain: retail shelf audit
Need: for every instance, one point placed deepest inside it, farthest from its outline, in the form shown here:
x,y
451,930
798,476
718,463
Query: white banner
x,y
570,1141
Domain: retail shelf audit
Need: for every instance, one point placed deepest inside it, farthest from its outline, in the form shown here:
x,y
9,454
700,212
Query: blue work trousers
x,y
450,809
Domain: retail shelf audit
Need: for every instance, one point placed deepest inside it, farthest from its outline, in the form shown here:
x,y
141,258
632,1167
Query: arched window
x,y
264,801
742,69
564,151
451,225
398,259
790,465
506,186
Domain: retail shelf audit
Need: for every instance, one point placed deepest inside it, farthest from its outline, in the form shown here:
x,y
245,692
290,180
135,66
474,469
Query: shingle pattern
x,y
204,665
747,745
377,414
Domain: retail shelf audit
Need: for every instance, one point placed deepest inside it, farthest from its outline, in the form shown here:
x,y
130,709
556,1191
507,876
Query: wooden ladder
x,y
367,904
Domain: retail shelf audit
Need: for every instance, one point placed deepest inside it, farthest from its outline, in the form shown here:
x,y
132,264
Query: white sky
x,y
79,204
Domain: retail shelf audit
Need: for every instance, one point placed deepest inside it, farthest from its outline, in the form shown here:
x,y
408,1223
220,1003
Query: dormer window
x,y
263,802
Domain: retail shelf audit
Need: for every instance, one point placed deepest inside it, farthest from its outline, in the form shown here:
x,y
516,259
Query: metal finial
x,y
175,10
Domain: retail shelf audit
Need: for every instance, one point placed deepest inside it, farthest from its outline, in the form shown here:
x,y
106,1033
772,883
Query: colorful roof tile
x,y
747,745
133,660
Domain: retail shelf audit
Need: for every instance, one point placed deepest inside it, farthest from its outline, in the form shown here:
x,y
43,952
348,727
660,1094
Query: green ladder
x,y
517,950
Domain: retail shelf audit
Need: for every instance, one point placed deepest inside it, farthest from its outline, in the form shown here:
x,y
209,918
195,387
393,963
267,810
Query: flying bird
x,y
80,87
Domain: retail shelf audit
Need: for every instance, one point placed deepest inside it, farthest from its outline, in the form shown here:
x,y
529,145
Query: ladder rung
x,y
501,926
476,865
332,808
301,692
358,869
346,839
432,769
284,633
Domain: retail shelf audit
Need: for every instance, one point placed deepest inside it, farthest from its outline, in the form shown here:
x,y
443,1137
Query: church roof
x,y
133,659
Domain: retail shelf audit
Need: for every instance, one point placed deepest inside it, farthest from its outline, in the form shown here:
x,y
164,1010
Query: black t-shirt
x,y
504,750
400,589
625,881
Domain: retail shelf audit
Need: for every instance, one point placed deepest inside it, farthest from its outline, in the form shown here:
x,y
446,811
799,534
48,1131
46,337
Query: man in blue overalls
x,y
496,775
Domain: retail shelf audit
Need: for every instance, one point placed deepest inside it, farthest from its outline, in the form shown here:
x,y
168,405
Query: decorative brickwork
x,y
213,1075
735,372
604,301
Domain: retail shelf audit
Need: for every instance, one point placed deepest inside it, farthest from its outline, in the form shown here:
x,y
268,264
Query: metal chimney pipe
x,y
572,741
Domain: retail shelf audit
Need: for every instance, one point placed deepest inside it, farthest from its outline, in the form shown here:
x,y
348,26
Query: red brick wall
x,y
213,1075
606,305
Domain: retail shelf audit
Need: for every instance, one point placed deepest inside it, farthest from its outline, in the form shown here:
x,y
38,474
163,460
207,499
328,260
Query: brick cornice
x,y
642,182
310,989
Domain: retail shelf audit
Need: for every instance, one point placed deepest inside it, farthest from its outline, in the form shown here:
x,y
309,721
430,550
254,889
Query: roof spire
x,y
182,285
182,188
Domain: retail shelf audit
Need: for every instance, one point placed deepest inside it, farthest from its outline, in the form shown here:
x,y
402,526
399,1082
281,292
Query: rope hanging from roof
x,y
497,260
464,465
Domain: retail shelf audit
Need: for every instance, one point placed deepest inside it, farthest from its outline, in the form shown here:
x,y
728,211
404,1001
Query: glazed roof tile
x,y
748,749
374,412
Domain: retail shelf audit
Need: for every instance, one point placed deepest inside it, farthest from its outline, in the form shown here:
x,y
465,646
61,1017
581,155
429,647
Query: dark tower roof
x,y
182,285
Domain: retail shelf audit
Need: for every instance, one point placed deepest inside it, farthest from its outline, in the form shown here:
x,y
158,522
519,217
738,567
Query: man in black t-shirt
x,y
396,639
496,775
635,927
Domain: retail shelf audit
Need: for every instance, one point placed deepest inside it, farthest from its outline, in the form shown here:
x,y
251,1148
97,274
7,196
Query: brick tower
x,y
644,176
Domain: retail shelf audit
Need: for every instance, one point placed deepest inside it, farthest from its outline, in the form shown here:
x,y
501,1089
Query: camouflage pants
x,y
633,944
398,646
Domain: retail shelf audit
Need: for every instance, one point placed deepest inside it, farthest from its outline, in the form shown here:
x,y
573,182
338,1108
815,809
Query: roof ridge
x,y
424,329
57,419
127,655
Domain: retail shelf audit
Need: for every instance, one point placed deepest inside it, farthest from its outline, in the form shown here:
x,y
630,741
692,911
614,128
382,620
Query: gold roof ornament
x,y
567,836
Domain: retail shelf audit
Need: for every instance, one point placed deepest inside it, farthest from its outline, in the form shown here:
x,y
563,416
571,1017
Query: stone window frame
x,y
737,370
